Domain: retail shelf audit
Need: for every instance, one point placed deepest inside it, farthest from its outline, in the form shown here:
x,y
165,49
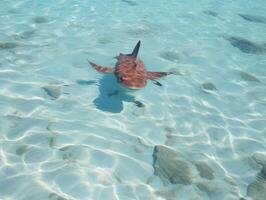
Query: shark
x,y
130,71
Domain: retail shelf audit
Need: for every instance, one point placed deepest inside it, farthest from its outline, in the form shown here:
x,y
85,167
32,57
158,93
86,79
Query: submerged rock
x,y
253,18
8,45
210,187
21,150
55,196
260,158
52,91
27,34
248,77
204,170
257,189
40,20
104,40
246,46
171,166
175,168
209,86
211,13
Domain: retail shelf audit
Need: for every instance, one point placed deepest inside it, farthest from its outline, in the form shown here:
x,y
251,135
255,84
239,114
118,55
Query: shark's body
x,y
130,71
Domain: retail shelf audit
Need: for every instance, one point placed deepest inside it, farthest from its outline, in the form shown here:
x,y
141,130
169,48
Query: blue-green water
x,y
65,133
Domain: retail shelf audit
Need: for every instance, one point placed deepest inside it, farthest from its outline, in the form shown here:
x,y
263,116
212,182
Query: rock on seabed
x,y
173,167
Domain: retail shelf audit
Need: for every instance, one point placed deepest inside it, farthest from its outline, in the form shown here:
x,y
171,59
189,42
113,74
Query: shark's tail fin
x,y
135,51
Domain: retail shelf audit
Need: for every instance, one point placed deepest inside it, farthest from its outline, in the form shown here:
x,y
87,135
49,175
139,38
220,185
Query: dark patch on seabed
x,y
129,2
52,91
40,20
25,34
21,150
8,45
176,167
208,86
104,40
247,46
253,18
248,77
211,13
257,189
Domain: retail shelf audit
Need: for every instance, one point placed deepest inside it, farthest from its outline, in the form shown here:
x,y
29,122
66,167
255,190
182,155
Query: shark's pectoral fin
x,y
157,83
101,69
155,75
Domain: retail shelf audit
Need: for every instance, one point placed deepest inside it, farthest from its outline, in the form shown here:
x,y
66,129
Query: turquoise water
x,y
65,133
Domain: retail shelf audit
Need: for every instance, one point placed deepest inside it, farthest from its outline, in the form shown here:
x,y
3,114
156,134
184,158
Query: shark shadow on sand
x,y
111,95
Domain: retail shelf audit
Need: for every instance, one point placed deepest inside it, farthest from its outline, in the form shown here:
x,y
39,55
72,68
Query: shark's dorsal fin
x,y
135,51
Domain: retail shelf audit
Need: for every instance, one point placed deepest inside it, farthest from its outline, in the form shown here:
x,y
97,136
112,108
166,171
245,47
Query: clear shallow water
x,y
199,136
